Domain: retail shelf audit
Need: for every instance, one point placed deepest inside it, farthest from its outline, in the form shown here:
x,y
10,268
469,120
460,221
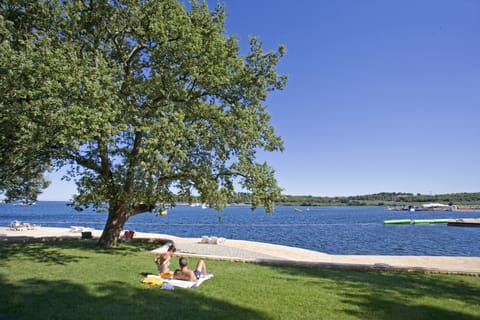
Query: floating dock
x,y
464,222
416,221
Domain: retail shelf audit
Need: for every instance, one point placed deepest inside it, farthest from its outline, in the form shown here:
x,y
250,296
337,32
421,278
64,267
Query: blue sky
x,y
382,95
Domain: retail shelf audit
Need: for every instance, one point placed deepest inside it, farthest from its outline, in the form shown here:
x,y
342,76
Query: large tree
x,y
141,100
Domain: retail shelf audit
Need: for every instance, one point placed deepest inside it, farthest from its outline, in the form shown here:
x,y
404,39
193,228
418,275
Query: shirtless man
x,y
188,275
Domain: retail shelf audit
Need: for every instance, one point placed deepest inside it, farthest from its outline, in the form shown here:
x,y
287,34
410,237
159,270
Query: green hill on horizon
x,y
377,199
382,199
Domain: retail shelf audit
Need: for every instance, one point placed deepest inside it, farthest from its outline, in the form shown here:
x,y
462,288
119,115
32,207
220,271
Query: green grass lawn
x,y
76,280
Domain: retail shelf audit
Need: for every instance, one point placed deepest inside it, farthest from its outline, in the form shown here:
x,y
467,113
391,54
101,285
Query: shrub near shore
x,y
76,280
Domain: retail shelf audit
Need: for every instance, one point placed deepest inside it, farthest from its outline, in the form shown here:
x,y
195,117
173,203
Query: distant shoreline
x,y
384,199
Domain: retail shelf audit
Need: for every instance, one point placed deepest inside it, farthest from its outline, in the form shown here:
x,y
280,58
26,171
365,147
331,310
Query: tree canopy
x,y
141,100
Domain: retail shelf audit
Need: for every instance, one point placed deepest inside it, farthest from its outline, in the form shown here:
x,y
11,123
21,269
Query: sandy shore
x,y
256,252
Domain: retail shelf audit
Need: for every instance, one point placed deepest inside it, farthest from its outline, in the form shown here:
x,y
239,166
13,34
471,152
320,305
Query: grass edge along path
x,y
76,280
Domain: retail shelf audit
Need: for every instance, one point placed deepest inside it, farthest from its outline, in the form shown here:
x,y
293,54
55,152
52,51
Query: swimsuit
x,y
198,274
160,266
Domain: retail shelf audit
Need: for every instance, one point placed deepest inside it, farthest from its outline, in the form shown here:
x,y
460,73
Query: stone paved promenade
x,y
255,252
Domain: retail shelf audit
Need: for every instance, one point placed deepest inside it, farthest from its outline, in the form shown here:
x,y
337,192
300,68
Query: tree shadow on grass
x,y
35,299
354,294
53,252
392,295
32,298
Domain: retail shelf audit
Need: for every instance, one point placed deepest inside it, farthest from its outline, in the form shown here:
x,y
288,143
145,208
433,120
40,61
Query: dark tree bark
x,y
117,217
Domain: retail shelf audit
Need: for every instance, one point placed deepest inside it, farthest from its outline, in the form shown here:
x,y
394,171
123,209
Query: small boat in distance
x,y
24,204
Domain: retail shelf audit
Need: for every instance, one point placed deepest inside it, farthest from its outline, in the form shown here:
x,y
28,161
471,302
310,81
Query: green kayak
x,y
430,221
401,221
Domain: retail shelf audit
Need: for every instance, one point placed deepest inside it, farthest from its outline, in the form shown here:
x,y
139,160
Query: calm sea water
x,y
335,230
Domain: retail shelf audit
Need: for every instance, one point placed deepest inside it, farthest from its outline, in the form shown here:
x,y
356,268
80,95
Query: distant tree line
x,y
376,199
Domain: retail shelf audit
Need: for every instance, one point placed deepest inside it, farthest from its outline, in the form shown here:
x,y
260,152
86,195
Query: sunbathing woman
x,y
163,261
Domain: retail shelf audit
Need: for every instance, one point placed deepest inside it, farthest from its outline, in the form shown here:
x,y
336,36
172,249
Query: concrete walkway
x,y
256,252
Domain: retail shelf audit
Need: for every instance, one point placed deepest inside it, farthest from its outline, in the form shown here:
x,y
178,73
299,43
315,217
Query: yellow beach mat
x,y
152,280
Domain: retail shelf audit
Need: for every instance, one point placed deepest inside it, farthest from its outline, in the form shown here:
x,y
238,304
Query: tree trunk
x,y
117,218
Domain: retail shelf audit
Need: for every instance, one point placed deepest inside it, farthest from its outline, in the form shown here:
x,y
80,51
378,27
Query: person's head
x,y
183,262
171,248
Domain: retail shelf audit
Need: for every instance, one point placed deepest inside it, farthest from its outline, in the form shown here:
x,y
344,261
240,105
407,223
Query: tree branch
x,y
85,162
142,207
132,163
105,171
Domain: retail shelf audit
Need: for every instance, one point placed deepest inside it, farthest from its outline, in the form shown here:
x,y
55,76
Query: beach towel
x,y
170,283
188,284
